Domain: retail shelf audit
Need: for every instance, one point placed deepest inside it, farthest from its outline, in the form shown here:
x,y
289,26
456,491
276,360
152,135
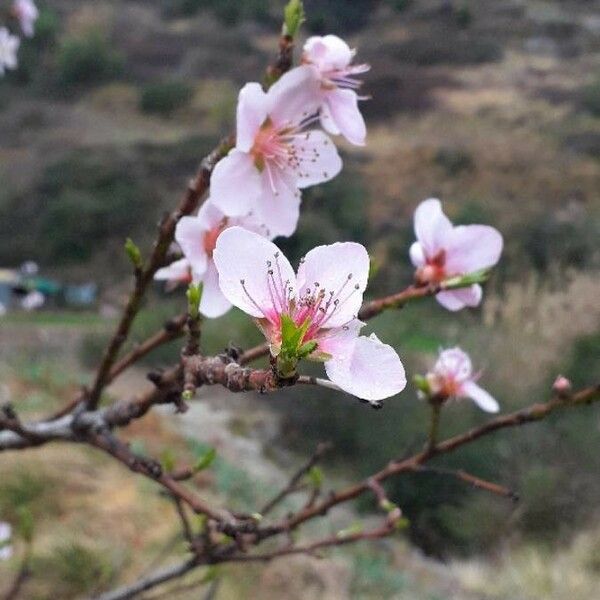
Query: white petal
x,y
343,108
189,234
339,342
372,371
456,299
278,207
482,398
294,97
213,304
471,248
417,256
328,52
317,156
244,256
235,184
341,268
251,114
327,121
432,227
176,271
209,215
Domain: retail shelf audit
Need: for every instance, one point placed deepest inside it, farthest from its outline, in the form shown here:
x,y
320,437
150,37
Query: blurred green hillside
x,y
491,105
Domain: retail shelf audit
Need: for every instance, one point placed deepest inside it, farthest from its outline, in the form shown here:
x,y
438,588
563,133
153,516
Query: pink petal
x,y
456,299
235,184
318,158
243,256
341,268
327,121
189,234
372,371
251,114
178,270
417,256
344,112
209,215
213,304
431,226
470,248
328,52
278,207
482,398
455,364
339,342
294,97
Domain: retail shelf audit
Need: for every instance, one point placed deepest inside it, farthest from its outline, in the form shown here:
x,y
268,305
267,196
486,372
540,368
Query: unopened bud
x,y
133,252
562,386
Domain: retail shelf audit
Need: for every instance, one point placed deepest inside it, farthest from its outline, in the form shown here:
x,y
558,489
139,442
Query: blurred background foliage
x,y
494,106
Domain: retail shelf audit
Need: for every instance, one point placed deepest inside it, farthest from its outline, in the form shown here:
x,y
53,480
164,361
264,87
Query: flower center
x,y
434,270
210,237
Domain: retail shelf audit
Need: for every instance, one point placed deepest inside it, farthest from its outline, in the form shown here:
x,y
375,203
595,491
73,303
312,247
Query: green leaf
x,y
467,280
194,295
316,477
25,525
306,349
167,460
206,460
293,17
352,530
421,384
135,256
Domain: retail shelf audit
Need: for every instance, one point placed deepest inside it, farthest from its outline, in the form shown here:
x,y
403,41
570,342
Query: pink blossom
x,y
197,236
452,376
27,13
443,251
9,45
275,156
331,59
6,550
323,299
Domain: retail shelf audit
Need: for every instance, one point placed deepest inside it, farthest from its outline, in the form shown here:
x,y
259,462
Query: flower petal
x,y
456,299
343,109
417,256
327,122
317,156
294,96
235,184
278,207
213,304
327,52
482,398
339,342
251,114
176,271
341,268
242,259
432,226
372,371
189,234
470,248
209,215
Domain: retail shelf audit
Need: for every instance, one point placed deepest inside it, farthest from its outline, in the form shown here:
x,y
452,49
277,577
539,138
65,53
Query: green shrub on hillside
x,y
88,60
591,98
163,98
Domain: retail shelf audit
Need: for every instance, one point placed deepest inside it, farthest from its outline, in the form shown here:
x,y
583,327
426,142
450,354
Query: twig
x,y
172,330
476,482
168,574
318,454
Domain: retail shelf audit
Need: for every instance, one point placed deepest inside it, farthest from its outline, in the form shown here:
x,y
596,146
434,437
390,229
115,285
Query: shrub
x,y
166,97
591,98
87,61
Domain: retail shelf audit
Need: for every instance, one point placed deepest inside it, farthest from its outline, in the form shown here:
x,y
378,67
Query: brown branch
x,y
534,413
143,277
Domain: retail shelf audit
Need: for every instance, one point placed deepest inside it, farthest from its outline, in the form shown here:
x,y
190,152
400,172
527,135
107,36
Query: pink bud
x,y
562,386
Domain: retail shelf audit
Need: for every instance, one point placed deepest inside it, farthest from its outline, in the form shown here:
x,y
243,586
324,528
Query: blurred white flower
x,y
9,45
6,550
33,300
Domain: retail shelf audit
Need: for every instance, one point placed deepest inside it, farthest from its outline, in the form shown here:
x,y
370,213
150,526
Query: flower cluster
x,y
282,146
25,13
